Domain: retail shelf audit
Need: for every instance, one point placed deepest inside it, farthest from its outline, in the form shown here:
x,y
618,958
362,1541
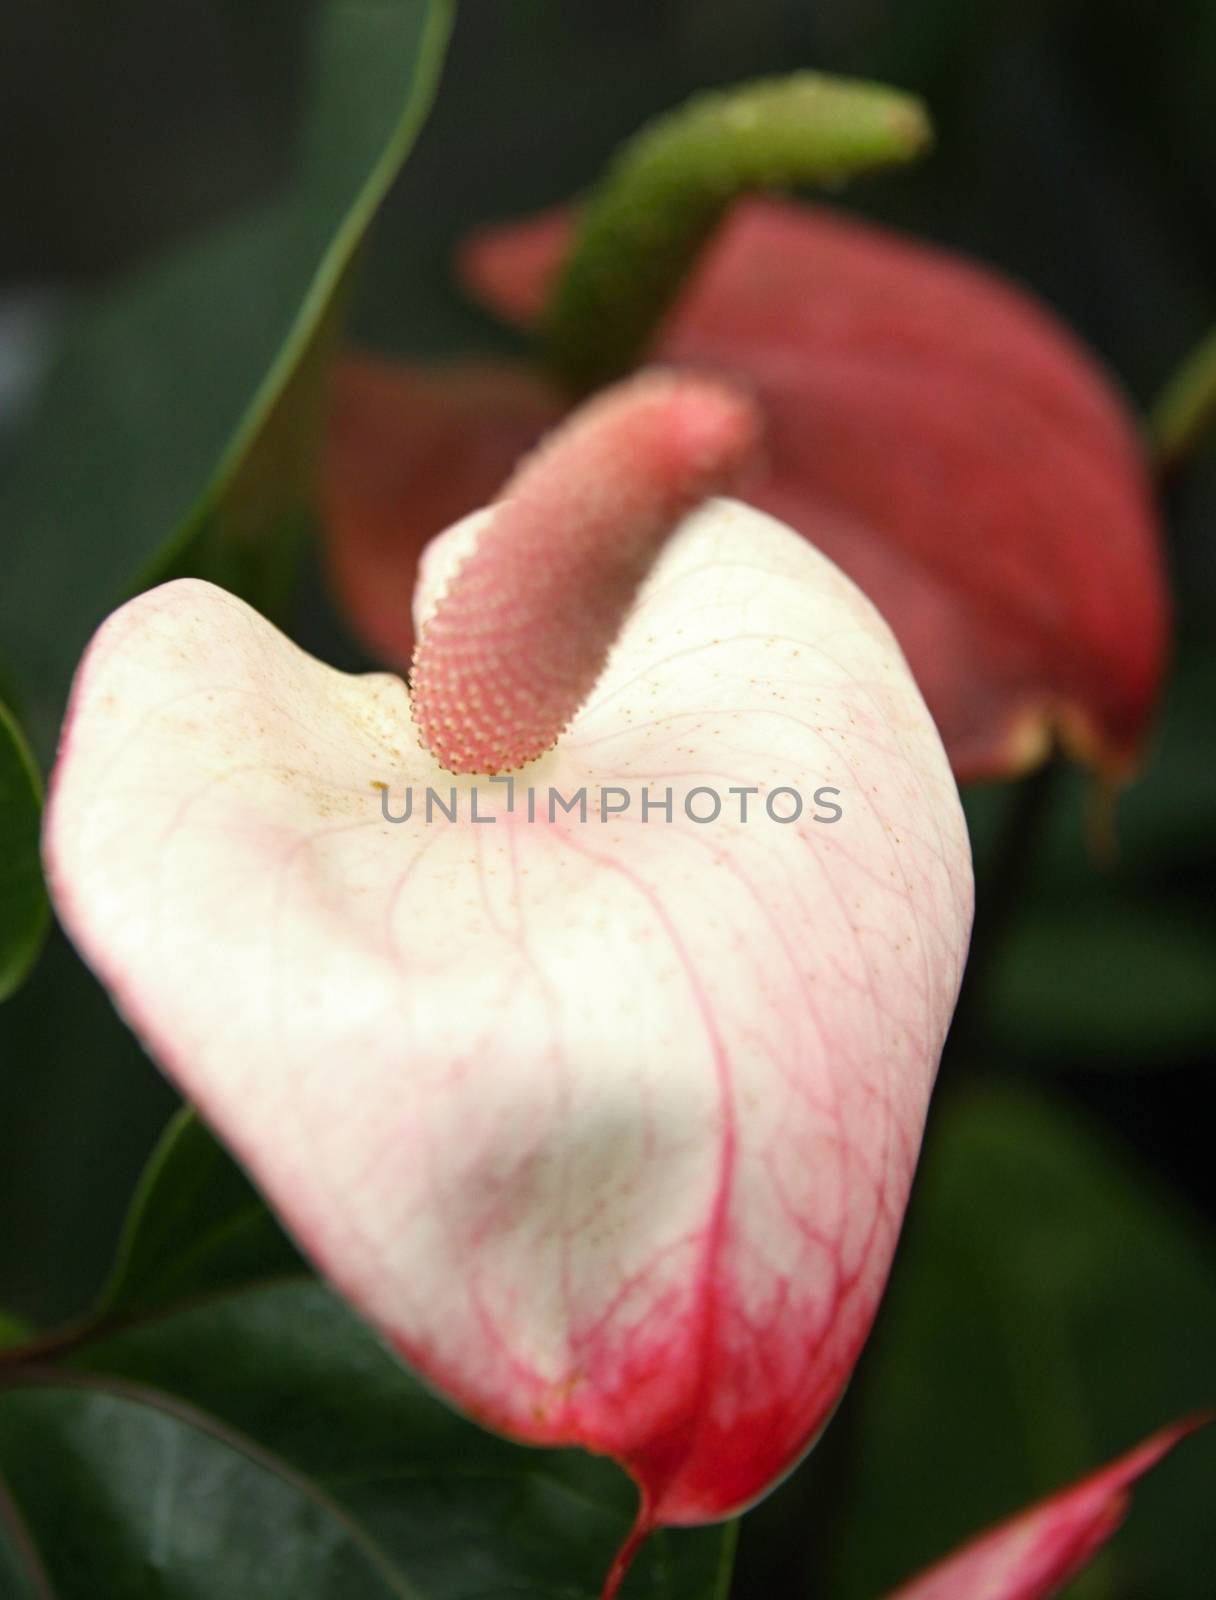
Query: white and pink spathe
x,y
607,1126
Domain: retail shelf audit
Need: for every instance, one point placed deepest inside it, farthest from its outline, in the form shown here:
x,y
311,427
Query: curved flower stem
x,y
643,227
626,1555
1185,411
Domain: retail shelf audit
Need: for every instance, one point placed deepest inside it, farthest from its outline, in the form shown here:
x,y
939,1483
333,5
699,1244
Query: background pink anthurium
x,y
607,1124
1034,1554
929,427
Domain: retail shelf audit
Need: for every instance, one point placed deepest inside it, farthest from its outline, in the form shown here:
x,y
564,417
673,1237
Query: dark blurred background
x,y
1077,152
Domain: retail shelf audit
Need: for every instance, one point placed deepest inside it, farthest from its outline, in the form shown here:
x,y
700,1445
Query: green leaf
x,y
235,1430
23,904
1113,978
264,1443
1049,1308
196,1226
13,1330
80,1107
216,355
658,204
22,1575
131,1496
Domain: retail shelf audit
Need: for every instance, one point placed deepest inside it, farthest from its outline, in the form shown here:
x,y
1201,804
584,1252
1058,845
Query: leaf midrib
x,y
191,1416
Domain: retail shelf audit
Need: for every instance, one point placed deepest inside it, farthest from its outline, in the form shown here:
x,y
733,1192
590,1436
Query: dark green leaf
x,y
268,1432
80,1107
214,356
1113,979
129,1496
196,1226
229,1426
1048,1309
23,904
13,1330
22,1575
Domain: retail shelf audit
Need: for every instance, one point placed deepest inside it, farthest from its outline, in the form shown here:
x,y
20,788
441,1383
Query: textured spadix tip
x,y
522,630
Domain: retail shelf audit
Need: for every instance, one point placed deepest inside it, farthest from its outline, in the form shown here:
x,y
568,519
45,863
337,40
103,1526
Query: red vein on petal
x,y
522,630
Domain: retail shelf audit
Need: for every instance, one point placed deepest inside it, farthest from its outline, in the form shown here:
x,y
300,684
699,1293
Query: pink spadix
x,y
608,1126
521,631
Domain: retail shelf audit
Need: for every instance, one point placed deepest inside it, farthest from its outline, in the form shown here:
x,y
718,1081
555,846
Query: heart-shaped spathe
x,y
607,1125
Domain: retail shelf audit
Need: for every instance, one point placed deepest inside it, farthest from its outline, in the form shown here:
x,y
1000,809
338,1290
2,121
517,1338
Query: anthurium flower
x,y
1034,1554
930,428
598,1091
